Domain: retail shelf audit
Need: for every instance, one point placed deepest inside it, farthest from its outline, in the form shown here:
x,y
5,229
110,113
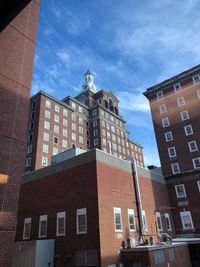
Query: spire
x,y
89,82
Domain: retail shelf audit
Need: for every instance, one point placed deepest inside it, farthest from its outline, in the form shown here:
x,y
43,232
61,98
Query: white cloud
x,y
64,56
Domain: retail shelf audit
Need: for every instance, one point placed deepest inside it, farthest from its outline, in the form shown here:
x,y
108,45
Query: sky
x,y
128,45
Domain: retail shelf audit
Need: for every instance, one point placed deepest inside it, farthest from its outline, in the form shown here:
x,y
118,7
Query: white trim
x,y
183,190
167,217
131,212
165,122
158,217
27,221
42,219
186,213
162,108
60,215
82,211
177,87
144,221
159,95
180,101
175,166
118,211
168,134
190,131
190,145
196,78
184,115
172,152
194,164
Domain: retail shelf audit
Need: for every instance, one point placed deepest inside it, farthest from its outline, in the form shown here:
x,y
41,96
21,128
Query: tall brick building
x,y
17,43
89,120
175,108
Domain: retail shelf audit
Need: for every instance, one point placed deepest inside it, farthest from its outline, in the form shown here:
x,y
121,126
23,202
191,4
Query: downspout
x,y
138,198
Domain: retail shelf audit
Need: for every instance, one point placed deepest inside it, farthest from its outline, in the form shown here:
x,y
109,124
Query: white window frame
x,y
186,213
184,115
44,161
180,101
47,114
167,217
172,152
74,126
81,139
48,103
65,112
177,87
55,151
27,221
73,117
144,221
159,95
65,122
42,219
82,211
194,164
60,215
56,129
158,218
29,149
165,122
56,118
191,144
131,216
175,166
28,162
73,136
168,136
46,136
64,143
183,190
162,108
57,108
65,132
47,125
45,148
190,131
118,226
196,78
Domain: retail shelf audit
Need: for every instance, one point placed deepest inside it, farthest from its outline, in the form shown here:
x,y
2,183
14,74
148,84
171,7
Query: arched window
x,y
83,99
106,103
111,105
116,110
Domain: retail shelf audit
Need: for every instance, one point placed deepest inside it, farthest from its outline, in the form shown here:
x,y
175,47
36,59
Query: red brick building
x,y
175,108
90,213
17,43
89,120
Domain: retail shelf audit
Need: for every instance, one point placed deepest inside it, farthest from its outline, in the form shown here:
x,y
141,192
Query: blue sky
x,y
129,45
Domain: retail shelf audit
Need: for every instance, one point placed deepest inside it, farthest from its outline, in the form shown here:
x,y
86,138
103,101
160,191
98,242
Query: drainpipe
x,y
138,197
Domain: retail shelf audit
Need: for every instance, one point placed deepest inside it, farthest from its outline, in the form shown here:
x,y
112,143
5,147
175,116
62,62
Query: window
x,y
57,108
31,125
117,219
80,109
56,129
168,222
102,112
198,93
159,95
103,123
172,152
186,220
180,191
74,126
104,141
114,146
196,78
114,137
81,221
55,150
188,129
81,139
56,118
94,112
184,115
43,226
177,87
46,136
64,143
175,168
95,132
162,108
29,149
80,130
73,117
65,132
28,162
192,146
60,223
65,112
32,115
56,140
45,148
94,124
180,101
131,220
159,256
96,141
144,220
27,228
73,105
44,161
47,114
33,104
65,122
47,125
168,136
165,122
73,136
159,221
80,121
196,163
48,104
198,184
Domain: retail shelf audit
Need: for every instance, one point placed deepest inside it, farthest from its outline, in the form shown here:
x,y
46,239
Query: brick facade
x,y
17,44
